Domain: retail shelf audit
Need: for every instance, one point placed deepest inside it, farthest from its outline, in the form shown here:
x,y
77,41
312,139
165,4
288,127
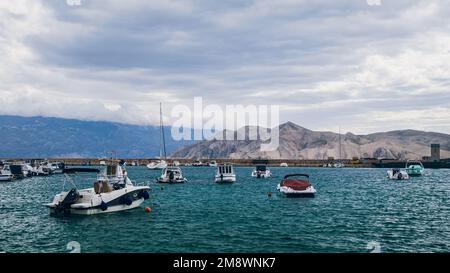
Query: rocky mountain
x,y
54,137
297,142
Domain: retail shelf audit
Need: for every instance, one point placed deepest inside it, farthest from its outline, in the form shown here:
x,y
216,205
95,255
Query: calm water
x,y
352,208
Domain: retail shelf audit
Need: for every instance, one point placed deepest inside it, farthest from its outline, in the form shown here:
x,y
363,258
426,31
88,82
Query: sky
x,y
362,65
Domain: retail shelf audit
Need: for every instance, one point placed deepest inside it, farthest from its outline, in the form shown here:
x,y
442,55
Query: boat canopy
x,y
261,168
296,183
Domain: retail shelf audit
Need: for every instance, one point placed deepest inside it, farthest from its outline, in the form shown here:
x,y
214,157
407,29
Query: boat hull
x,y
118,200
225,179
291,193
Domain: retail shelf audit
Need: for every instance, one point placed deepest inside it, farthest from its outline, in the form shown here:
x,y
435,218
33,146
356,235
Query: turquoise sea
x,y
353,207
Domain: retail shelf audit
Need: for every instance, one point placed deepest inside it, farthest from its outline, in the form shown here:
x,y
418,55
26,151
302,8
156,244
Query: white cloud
x,y
324,62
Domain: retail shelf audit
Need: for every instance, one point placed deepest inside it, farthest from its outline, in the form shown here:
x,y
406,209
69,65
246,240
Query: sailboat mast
x,y
340,145
162,151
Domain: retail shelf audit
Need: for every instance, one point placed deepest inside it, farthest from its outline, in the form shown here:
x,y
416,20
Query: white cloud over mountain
x,y
327,63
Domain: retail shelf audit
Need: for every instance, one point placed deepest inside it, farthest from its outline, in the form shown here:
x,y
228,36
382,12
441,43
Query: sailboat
x,y
161,163
339,164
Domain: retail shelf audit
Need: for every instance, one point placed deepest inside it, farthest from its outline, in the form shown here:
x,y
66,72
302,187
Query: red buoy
x,y
148,210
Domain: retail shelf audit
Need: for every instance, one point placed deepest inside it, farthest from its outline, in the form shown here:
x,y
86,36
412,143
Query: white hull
x,y
309,192
266,174
111,209
226,179
158,166
4,178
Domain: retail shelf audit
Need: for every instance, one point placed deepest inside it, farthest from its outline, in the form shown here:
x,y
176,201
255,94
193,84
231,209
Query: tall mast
x,y
162,150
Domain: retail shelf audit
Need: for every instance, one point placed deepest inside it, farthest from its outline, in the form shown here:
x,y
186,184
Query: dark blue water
x,y
352,208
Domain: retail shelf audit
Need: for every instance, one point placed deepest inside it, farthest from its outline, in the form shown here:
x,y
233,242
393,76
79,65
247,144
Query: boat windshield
x,y
261,168
225,169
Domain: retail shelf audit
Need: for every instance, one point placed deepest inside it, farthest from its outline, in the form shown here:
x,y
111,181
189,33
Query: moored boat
x,y
172,175
112,191
296,185
225,173
261,171
414,168
397,174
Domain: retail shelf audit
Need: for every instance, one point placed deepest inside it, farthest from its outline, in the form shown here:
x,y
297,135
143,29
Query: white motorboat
x,y
397,174
56,167
171,175
213,164
41,170
5,174
296,185
225,173
284,165
113,191
159,165
261,171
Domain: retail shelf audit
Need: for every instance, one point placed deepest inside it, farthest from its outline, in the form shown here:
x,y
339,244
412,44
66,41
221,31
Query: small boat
x,y
397,174
199,163
213,164
41,170
284,165
5,174
296,185
172,175
113,191
414,168
225,173
102,163
338,165
176,163
158,165
261,171
56,167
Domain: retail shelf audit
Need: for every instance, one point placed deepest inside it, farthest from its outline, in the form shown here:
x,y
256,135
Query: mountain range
x,y
297,142
30,137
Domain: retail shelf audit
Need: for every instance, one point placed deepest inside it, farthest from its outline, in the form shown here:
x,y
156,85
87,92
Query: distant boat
x,y
296,185
161,163
172,175
397,174
261,171
5,174
284,165
176,163
225,173
213,164
414,168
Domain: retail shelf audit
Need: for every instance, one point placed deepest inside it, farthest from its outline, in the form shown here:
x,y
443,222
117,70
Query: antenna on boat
x,y
162,151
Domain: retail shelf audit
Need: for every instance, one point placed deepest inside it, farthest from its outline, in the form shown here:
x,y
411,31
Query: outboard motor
x,y
64,206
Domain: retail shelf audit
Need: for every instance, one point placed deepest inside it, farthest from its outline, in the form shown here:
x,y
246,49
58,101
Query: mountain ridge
x,y
297,142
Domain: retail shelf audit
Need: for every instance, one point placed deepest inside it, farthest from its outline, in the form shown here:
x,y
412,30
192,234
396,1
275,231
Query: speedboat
x,y
41,170
5,174
284,165
213,164
296,185
225,173
56,167
261,171
112,191
171,175
414,168
159,165
176,163
397,174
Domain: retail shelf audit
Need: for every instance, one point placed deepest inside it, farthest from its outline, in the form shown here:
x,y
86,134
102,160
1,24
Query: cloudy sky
x,y
363,67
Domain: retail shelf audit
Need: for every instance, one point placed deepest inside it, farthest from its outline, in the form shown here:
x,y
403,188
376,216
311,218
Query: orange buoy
x,y
148,210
